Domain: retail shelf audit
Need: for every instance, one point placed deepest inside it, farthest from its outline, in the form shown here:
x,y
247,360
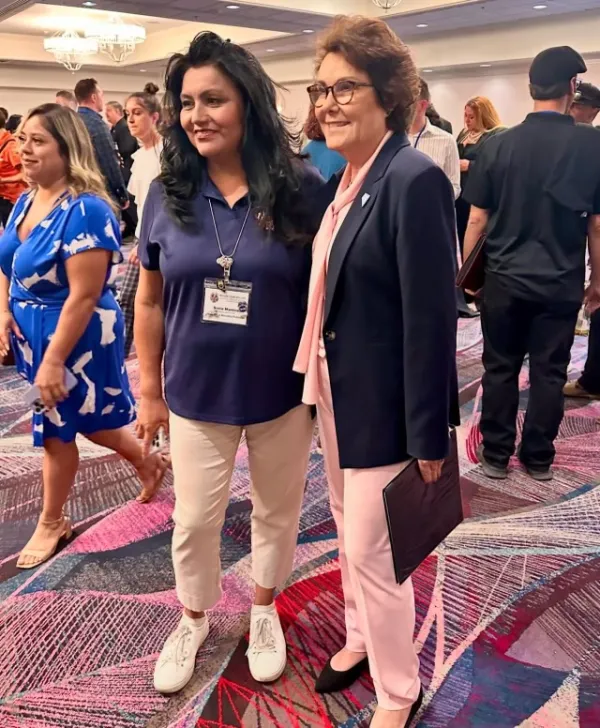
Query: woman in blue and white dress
x,y
57,255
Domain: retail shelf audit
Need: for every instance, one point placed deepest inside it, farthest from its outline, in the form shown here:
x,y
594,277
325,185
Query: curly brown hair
x,y
312,128
370,45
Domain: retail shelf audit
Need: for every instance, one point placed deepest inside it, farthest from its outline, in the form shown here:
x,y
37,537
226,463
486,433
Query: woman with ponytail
x,y
143,114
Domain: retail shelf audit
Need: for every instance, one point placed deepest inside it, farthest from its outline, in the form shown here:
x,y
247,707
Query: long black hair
x,y
273,169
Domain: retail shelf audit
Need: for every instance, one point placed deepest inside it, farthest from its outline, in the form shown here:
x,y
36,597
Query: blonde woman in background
x,y
59,316
481,122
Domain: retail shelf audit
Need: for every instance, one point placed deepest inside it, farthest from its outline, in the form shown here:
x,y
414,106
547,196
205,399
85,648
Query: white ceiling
x,y
48,19
291,16
276,28
476,14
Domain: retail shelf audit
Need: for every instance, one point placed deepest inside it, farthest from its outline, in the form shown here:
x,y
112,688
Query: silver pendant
x,y
226,262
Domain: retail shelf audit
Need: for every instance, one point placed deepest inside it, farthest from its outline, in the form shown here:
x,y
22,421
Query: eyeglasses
x,y
342,91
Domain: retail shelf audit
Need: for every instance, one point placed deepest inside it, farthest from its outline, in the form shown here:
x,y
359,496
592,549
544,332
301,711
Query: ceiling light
x,y
386,4
540,7
422,25
485,65
308,31
427,70
232,7
70,49
89,4
116,39
270,50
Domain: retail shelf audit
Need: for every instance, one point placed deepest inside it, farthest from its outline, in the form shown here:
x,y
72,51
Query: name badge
x,y
228,304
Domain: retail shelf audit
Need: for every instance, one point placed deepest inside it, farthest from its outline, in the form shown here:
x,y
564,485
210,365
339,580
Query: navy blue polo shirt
x,y
216,372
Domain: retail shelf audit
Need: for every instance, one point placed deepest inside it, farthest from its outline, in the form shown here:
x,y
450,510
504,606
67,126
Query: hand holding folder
x,y
472,273
419,515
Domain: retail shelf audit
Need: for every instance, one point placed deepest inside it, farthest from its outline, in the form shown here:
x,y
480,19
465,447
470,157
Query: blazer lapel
x,y
358,213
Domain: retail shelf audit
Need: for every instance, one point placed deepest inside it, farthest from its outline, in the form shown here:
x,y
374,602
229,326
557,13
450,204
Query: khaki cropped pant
x,y
203,456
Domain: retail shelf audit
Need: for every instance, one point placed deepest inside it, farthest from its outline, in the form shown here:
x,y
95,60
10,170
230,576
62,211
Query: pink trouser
x,y
380,615
203,456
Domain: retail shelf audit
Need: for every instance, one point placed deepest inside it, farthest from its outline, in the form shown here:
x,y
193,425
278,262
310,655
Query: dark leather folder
x,y
421,516
471,275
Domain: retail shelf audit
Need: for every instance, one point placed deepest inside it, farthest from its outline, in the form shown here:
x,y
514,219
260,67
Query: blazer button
x,y
330,335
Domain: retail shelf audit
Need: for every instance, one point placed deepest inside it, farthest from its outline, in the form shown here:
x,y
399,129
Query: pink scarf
x,y
308,351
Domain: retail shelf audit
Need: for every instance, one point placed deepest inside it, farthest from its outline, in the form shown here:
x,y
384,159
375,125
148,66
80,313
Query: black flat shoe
x,y
415,709
334,681
467,313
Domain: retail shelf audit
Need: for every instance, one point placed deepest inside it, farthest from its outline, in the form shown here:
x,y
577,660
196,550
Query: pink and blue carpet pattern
x,y
508,608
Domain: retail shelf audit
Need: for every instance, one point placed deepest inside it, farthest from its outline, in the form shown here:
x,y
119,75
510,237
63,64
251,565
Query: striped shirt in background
x,y
441,147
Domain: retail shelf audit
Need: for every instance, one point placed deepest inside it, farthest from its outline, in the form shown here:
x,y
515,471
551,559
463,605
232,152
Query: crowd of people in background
x,y
268,278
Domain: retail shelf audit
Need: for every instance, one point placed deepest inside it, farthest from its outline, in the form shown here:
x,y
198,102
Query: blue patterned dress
x,y
39,286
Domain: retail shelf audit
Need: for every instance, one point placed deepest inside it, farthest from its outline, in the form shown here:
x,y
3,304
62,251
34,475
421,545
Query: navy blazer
x,y
390,314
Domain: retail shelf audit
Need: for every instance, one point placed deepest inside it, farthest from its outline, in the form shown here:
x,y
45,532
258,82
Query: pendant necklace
x,y
226,261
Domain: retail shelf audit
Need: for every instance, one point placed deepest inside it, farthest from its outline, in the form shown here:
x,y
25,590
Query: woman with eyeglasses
x,y
379,343
225,255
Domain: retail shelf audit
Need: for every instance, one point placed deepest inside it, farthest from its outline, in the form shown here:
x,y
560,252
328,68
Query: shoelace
x,y
264,639
178,649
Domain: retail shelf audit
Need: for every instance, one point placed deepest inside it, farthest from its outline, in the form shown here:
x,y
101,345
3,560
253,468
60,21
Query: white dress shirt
x,y
441,147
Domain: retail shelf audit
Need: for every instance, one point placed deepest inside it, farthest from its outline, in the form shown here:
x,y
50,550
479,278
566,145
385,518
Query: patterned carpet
x,y
508,609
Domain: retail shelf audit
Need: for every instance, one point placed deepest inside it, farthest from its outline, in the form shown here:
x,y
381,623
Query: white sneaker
x,y
177,659
267,655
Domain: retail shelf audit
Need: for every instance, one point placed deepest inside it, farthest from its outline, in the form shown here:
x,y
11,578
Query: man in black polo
x,y
536,190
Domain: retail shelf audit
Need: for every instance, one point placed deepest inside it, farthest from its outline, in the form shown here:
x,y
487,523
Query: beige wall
x,y
504,44
508,92
23,88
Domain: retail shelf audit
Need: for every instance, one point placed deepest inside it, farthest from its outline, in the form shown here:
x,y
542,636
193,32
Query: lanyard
x,y
226,261
418,139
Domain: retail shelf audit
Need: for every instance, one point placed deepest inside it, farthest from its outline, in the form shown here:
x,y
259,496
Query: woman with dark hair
x,y
12,183
225,255
59,316
379,344
143,112
326,160
14,120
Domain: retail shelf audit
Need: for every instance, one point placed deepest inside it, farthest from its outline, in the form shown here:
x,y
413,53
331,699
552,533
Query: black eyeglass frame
x,y
326,90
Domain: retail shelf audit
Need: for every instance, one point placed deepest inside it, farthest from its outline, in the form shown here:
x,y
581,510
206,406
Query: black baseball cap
x,y
588,95
556,65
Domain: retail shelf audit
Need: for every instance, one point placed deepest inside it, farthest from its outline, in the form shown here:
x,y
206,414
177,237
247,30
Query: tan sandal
x,y
148,494
37,555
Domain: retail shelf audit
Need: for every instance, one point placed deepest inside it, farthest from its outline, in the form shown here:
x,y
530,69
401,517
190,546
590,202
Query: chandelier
x,y
116,39
70,49
386,4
